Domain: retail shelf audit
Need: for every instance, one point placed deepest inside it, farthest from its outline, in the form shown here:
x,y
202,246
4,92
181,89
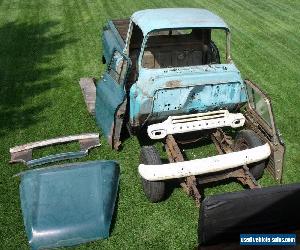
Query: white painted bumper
x,y
205,165
195,122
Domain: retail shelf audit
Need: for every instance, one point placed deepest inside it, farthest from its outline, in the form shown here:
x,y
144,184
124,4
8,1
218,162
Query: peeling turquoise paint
x,y
164,92
111,40
159,93
109,95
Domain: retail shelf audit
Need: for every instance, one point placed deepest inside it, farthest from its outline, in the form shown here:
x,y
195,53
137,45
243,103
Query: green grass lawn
x,y
46,46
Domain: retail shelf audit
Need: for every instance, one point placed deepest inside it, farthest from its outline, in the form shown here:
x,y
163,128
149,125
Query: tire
x,y
214,53
154,190
248,139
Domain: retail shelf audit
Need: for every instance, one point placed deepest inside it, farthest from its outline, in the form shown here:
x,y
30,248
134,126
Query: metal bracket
x,y
224,144
23,153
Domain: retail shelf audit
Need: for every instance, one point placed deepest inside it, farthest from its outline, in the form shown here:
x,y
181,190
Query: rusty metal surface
x,y
111,98
246,178
224,144
266,131
23,153
88,89
242,174
21,156
190,183
202,88
180,74
174,149
174,155
88,143
216,86
122,27
222,141
118,125
112,39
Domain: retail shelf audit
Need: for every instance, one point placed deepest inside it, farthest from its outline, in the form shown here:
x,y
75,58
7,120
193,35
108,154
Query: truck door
x,y
259,118
111,98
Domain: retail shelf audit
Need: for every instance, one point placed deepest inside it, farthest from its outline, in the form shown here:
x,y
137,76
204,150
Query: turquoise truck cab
x,y
163,62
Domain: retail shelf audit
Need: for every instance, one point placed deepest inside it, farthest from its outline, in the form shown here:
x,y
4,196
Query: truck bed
x,y
122,27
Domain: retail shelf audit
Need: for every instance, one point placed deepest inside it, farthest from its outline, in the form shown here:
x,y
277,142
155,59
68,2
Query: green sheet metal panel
x,y
109,96
68,204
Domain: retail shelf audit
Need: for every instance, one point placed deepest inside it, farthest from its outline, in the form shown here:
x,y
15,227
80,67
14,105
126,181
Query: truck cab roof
x,y
176,18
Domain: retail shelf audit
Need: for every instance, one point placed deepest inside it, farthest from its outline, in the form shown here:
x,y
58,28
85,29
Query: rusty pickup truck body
x,y
167,80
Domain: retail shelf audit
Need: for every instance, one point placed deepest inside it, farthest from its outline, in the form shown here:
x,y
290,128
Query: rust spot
x,y
110,136
173,84
117,145
144,93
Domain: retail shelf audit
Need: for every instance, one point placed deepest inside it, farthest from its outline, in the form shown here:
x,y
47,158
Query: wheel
x,y
214,53
154,190
248,139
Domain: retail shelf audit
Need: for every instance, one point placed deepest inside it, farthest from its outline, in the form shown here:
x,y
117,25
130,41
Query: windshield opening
x,y
183,48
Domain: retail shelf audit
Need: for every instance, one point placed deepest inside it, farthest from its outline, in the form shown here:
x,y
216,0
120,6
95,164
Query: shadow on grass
x,y
26,50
